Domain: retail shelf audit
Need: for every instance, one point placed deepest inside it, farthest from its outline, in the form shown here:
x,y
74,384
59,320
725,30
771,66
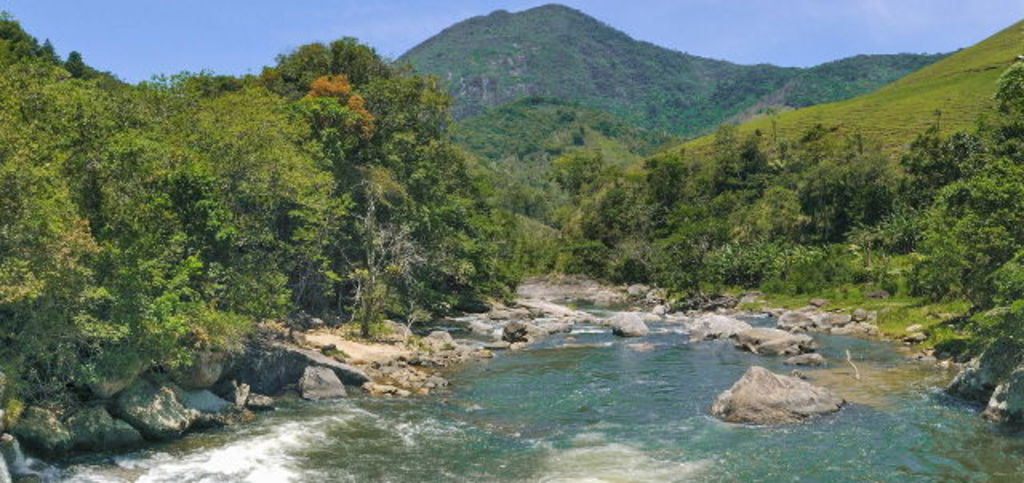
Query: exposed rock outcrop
x,y
762,397
271,367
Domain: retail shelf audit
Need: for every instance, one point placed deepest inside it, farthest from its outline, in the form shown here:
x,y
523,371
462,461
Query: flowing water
x,y
600,408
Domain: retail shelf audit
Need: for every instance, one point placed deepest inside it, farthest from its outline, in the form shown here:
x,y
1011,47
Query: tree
x,y
76,66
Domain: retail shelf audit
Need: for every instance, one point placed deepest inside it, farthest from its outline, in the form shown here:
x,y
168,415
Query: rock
x,y
259,402
385,390
856,328
660,310
649,318
818,303
153,410
93,429
879,294
42,430
628,324
5,474
497,345
860,315
203,401
812,359
439,340
484,329
774,342
761,397
234,392
641,347
980,377
637,290
915,328
796,321
520,332
916,338
715,326
555,327
319,383
204,372
1007,402
472,305
270,368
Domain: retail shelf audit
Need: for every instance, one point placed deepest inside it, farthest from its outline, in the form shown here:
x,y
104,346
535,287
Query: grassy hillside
x,y
556,51
953,91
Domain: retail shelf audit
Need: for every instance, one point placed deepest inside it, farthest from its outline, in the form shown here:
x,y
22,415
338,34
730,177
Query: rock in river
x,y
320,383
774,342
762,397
812,359
715,326
153,410
628,324
93,429
40,429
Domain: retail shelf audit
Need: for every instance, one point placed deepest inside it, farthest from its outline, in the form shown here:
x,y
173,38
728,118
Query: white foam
x,y
599,461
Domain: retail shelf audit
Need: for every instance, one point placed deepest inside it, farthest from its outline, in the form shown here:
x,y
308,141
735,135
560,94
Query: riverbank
x,y
403,365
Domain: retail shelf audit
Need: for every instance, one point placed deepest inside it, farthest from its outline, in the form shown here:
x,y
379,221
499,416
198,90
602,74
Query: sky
x,y
136,39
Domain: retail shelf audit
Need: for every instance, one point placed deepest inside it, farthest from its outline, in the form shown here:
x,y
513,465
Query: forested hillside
x,y
556,51
142,224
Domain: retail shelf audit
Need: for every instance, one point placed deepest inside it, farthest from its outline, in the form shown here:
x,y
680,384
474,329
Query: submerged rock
x,y
153,410
628,324
94,429
41,429
774,342
715,326
319,383
762,397
812,359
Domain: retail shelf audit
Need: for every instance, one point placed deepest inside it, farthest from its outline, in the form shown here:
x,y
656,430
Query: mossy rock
x,y
42,430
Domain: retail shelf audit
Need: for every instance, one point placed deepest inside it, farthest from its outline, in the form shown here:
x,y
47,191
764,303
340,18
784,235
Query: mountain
x,y
954,92
556,51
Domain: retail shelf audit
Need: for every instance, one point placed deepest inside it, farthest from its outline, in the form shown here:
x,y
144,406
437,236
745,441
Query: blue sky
x,y
136,39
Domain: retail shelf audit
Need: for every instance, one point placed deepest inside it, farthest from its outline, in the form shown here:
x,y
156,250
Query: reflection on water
x,y
602,411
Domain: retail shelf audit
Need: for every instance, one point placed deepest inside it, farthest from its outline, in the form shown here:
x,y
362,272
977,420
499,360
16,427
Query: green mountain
x,y
953,92
556,51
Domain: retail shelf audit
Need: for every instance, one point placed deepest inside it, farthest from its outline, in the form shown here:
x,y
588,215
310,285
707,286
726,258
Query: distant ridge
x,y
556,51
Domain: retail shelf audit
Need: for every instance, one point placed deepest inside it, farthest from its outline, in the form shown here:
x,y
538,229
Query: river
x,y
600,408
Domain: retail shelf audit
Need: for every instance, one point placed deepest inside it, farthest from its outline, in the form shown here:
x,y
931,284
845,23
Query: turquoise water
x,y
601,409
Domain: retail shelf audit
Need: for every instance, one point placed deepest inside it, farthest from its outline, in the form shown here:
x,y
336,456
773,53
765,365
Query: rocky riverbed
x,y
324,363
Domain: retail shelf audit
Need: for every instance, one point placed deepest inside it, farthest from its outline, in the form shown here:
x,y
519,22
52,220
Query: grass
x,y
954,92
895,314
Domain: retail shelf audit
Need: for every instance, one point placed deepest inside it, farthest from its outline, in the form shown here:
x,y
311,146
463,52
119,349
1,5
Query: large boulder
x,y
774,342
628,324
521,332
110,384
439,340
5,474
319,383
762,397
93,429
803,320
270,368
153,410
235,392
715,326
1007,402
203,401
979,379
42,430
204,372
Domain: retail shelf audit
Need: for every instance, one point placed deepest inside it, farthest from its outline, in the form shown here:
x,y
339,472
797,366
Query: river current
x,y
589,406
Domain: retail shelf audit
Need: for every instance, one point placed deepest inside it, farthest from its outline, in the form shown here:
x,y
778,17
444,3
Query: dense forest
x,y
140,224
